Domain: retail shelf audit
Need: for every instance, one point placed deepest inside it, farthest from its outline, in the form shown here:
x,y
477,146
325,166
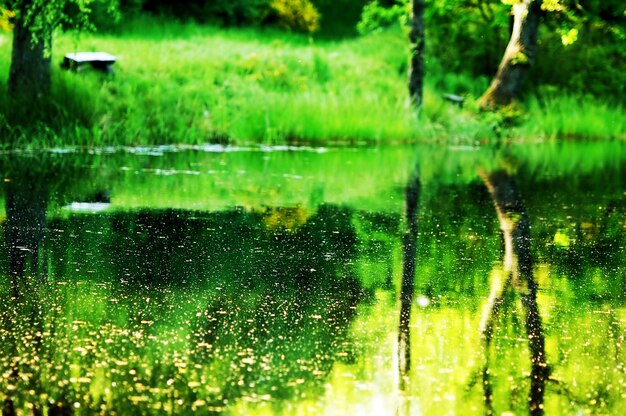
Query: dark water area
x,y
422,280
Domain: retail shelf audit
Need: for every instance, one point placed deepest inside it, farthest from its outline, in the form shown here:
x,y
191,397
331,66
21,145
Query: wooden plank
x,y
455,99
82,57
99,60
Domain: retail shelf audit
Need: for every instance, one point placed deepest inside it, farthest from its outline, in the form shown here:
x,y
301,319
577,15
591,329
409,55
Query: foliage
x,y
376,17
5,20
580,43
226,12
298,15
40,16
338,18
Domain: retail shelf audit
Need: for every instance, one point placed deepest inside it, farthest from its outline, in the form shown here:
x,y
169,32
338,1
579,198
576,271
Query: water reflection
x,y
26,203
26,200
517,277
275,283
173,310
407,287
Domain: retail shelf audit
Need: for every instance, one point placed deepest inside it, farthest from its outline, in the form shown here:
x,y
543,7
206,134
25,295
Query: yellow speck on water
x,y
561,239
138,399
199,403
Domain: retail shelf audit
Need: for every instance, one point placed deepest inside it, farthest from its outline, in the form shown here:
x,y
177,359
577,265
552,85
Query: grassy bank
x,y
185,83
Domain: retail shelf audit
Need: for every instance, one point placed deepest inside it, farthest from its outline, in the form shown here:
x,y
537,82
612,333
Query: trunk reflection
x,y
518,277
409,245
26,208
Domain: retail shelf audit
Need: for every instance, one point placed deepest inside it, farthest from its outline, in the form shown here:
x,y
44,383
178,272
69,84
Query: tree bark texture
x,y
407,288
30,72
416,61
519,55
519,277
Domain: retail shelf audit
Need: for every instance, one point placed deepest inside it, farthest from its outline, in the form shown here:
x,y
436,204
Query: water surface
x,y
315,281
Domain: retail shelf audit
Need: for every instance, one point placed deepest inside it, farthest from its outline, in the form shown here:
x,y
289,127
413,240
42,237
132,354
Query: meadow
x,y
186,83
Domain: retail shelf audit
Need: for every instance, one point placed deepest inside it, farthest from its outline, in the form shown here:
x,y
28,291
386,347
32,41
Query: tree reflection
x,y
30,183
26,201
518,277
407,289
220,308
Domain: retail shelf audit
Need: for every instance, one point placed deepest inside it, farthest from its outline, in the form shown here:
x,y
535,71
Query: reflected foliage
x,y
256,282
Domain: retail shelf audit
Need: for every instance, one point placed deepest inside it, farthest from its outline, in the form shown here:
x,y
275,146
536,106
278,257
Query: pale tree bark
x,y
518,57
517,265
416,60
30,71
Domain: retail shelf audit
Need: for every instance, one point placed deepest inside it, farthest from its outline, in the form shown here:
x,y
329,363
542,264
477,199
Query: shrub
x,y
297,15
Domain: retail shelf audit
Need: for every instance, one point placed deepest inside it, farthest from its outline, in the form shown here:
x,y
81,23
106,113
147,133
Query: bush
x,y
228,12
297,15
339,17
376,17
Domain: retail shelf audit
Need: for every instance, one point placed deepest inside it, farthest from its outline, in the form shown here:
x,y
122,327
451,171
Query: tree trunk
x,y
416,61
408,279
29,75
518,57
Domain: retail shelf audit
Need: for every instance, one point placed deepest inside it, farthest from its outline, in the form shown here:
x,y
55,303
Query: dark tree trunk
x,y
29,75
416,61
408,279
518,57
515,226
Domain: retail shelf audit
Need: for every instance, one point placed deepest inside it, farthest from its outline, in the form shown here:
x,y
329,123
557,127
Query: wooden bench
x,y
455,99
98,60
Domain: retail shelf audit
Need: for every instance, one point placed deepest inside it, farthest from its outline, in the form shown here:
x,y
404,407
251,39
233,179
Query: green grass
x,y
571,116
187,83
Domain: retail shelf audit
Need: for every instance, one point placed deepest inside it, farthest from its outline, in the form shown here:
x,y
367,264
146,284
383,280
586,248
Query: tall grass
x,y
568,116
202,85
188,83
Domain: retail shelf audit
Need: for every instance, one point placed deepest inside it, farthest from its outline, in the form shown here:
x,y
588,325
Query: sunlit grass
x,y
572,116
188,83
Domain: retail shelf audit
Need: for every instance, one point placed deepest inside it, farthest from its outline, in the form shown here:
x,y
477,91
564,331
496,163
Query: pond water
x,y
374,281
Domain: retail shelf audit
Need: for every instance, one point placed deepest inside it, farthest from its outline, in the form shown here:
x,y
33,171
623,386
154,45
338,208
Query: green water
x,y
269,281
